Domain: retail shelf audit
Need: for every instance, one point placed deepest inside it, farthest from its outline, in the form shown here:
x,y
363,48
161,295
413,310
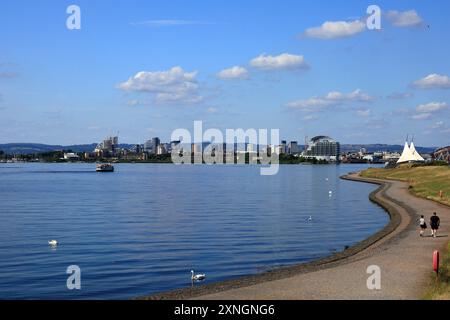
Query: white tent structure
x,y
415,154
410,154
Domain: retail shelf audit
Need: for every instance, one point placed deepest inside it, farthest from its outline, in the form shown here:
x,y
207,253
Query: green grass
x,y
440,290
424,181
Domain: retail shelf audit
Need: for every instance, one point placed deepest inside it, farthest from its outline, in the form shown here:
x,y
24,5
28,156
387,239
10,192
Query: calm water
x,y
142,229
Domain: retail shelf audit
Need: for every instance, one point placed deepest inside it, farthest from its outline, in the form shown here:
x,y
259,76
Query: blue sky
x,y
145,68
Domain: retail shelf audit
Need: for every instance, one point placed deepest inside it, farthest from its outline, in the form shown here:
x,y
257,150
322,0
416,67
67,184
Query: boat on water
x,y
104,167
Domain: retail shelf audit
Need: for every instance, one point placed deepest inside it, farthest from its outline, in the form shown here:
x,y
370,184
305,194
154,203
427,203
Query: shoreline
x,y
377,196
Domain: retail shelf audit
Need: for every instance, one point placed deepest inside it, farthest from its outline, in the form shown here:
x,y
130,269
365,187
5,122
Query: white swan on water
x,y
197,277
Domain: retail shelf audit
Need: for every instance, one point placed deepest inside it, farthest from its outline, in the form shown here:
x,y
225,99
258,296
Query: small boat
x,y
105,167
53,243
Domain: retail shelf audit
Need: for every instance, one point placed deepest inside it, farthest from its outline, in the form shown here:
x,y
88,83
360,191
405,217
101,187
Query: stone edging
x,y
378,196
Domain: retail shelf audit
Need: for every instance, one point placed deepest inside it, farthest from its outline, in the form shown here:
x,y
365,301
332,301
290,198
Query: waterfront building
x,y
283,147
161,149
323,148
71,156
137,149
107,147
151,146
442,154
251,148
293,148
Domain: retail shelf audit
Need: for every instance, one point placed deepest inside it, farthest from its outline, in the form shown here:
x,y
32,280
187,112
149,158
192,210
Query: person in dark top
x,y
434,224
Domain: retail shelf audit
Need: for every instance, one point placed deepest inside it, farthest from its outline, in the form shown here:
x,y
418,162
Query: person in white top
x,y
423,225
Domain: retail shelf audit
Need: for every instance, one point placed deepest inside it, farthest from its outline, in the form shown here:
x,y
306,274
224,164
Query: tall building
x,y
283,147
293,148
151,145
323,148
161,149
108,147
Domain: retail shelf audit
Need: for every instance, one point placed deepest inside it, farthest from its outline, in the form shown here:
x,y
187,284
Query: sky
x,y
145,68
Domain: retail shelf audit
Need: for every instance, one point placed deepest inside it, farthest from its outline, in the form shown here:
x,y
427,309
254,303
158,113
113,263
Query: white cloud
x,y
422,116
356,95
171,86
310,118
400,95
331,99
282,61
212,110
438,125
431,107
404,19
364,113
133,102
426,111
233,73
336,29
433,81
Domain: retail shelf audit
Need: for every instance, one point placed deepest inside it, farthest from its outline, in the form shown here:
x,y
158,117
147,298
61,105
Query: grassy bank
x,y
424,181
440,290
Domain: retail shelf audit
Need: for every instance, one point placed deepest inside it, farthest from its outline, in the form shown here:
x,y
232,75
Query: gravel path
x,y
404,258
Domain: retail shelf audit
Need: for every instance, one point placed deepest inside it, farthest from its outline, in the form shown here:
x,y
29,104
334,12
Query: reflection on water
x,y
142,229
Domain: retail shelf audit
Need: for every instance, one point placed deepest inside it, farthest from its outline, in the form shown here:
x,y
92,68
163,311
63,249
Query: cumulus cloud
x,y
422,116
212,110
438,125
282,61
404,19
336,29
431,107
171,86
428,110
400,95
233,73
133,102
363,113
433,81
331,99
310,118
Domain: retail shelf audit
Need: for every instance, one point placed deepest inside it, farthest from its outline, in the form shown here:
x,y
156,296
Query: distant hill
x,y
32,148
382,147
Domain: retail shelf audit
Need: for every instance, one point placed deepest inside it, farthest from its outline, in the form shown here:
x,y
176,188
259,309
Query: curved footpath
x,y
404,258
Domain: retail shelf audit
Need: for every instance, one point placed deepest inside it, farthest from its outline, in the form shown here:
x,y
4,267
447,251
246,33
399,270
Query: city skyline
x,y
150,68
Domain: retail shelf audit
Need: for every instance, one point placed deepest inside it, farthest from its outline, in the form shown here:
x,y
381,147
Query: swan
x,y
197,277
53,243
310,218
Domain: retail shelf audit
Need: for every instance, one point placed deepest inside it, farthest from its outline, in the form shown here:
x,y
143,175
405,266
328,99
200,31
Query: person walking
x,y
434,224
422,225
